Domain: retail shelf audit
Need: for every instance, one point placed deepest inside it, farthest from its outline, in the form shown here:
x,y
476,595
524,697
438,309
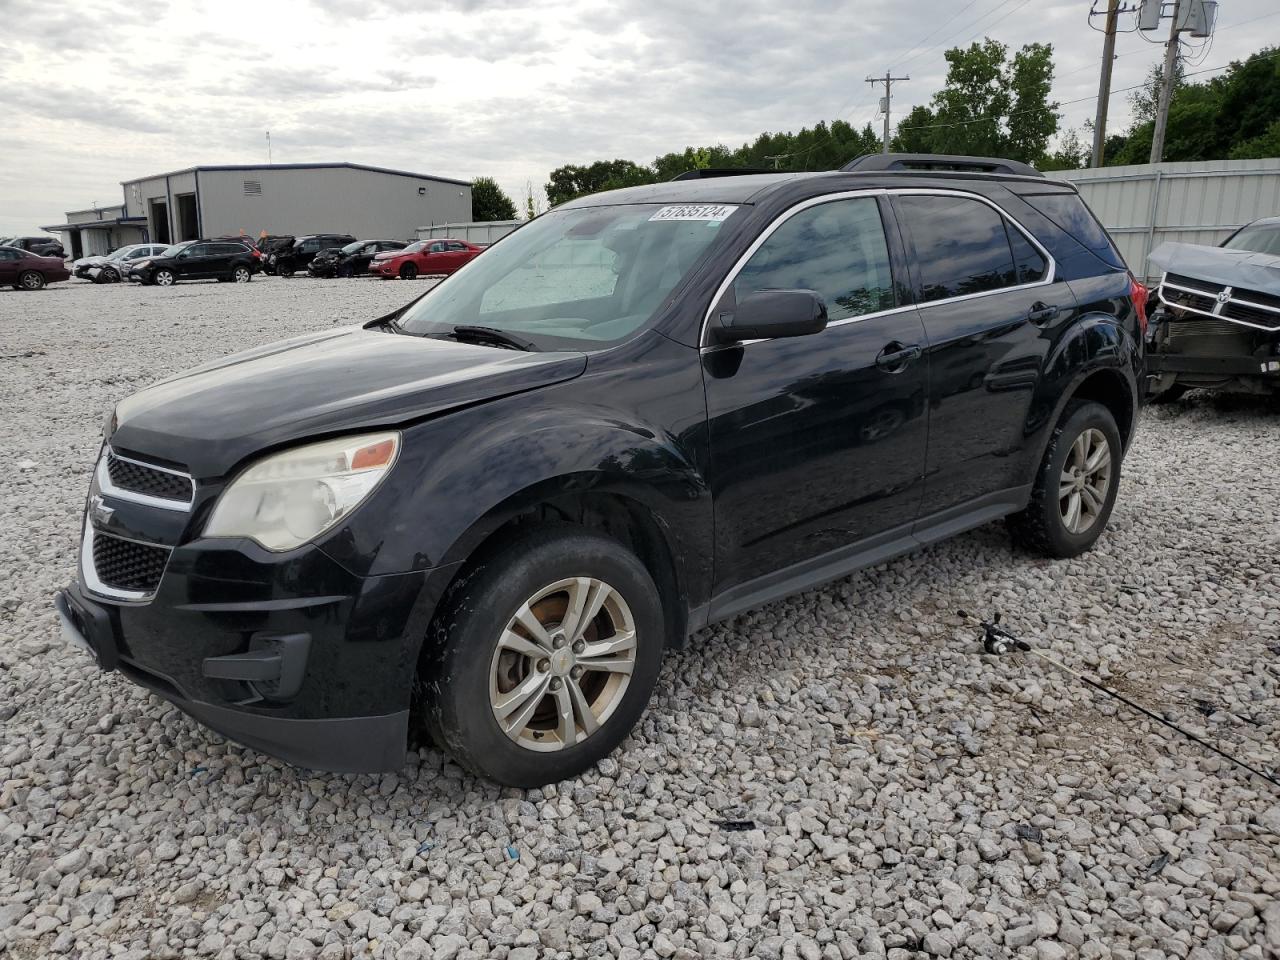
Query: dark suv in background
x,y
302,251
351,260
222,260
40,246
487,514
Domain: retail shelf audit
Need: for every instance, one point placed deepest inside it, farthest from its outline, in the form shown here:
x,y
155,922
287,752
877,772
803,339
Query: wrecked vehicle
x,y
1217,322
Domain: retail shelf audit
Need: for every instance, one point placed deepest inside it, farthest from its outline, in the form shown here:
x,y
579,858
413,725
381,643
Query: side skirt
x,y
865,553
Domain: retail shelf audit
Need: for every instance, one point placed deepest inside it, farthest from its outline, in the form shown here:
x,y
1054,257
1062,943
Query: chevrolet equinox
x,y
485,516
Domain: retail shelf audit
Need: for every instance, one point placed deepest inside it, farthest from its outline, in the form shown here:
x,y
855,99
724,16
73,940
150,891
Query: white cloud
x,y
104,92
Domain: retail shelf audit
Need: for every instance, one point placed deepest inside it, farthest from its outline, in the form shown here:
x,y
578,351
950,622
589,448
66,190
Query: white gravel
x,y
905,796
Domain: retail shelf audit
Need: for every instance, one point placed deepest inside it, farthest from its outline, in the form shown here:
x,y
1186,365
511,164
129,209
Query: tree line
x,y
994,102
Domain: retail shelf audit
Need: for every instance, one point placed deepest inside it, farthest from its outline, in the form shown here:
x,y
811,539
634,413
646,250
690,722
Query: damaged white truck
x,y
1217,318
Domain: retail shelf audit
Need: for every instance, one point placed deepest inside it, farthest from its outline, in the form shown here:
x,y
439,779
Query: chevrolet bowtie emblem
x,y
99,512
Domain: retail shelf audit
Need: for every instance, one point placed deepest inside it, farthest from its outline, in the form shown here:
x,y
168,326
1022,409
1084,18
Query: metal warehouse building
x,y
292,198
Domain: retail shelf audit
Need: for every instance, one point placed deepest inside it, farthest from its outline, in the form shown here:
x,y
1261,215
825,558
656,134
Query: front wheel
x,y
543,658
409,271
241,275
31,280
1076,486
164,278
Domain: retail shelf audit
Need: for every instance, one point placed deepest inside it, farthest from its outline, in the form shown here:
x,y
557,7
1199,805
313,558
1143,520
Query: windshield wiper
x,y
465,332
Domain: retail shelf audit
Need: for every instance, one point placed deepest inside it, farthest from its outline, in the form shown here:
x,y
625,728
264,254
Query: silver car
x,y
114,267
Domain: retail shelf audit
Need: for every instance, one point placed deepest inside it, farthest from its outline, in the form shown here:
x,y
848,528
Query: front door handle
x,y
895,356
1042,312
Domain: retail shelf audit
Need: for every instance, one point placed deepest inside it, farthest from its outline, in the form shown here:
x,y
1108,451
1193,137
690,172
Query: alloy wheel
x,y
164,278
242,275
1085,481
32,280
563,664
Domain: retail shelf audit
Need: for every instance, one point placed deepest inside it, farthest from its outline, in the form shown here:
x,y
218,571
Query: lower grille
x,y
1181,329
128,565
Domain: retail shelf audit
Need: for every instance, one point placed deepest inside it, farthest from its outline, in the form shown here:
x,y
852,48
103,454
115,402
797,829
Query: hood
x,y
212,418
389,254
1233,268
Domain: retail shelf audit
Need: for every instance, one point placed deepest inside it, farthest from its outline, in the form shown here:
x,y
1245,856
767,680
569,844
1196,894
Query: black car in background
x,y
271,246
40,246
351,260
302,251
221,260
490,512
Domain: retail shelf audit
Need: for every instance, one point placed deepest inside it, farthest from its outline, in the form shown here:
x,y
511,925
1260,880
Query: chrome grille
x,y
1249,308
126,565
150,481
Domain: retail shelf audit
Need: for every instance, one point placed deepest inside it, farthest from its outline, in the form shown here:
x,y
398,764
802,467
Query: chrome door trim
x,y
1050,274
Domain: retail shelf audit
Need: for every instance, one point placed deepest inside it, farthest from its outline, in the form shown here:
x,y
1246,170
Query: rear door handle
x,y
1042,312
895,356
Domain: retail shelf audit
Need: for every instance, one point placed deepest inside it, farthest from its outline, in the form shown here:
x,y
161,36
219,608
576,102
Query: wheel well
x,y
621,518
1110,389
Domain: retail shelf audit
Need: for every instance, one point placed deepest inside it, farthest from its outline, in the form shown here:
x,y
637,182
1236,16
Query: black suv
x,y
222,260
302,251
642,412
353,259
40,246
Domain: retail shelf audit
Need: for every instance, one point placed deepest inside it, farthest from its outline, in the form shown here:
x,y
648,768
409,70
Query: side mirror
x,y
769,314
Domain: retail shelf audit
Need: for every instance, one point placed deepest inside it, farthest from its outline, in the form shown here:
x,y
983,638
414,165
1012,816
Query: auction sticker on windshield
x,y
710,212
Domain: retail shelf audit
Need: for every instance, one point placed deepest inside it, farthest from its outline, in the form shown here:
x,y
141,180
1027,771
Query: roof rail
x,y
719,172
939,161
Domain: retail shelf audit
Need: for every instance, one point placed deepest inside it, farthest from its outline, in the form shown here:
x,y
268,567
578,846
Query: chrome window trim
x,y
90,573
1049,277
106,486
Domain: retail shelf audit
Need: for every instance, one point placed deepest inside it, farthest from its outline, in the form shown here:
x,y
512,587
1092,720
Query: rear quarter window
x,y
1070,215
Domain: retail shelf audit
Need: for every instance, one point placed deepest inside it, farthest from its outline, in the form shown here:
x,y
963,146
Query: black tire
x,y
284,271
409,271
459,654
1169,394
1041,527
345,272
30,280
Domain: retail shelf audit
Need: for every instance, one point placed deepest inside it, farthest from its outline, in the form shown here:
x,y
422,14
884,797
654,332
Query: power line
x,y
1065,103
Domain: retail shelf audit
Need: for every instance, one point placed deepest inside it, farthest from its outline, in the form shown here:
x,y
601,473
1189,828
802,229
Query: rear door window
x,y
961,246
837,249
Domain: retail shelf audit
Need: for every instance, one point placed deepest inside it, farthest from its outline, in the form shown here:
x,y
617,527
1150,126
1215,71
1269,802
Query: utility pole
x,y
1166,84
887,102
268,147
1104,84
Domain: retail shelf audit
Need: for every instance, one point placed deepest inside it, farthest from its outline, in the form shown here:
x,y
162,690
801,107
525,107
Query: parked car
x,y
271,246
645,411
1217,320
299,255
222,260
114,266
41,246
351,260
25,270
425,258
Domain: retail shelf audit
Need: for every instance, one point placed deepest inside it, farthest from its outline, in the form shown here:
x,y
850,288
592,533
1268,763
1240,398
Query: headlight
x,y
282,501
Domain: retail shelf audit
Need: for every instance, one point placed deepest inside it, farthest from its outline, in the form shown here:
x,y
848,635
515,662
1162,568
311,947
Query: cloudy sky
x,y
100,92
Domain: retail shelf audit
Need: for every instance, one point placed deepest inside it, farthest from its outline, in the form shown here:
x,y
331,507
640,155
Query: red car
x,y
424,258
24,270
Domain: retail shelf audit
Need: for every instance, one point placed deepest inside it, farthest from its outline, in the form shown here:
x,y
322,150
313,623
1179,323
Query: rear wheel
x,y
543,658
409,271
164,278
241,274
31,280
1076,486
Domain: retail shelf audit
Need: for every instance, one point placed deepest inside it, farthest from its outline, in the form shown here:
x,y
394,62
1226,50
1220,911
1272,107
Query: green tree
x,y
570,181
489,202
990,105
1071,154
1266,145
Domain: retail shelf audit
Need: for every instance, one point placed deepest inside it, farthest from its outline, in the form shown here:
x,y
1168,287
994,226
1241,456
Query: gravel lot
x,y
838,775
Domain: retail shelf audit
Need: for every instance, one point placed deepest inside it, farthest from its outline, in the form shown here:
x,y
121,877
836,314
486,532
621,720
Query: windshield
x,y
121,253
176,249
593,274
353,247
411,248
1260,238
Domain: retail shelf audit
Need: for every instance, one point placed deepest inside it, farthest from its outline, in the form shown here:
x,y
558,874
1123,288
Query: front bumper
x,y
289,653
1204,351
370,744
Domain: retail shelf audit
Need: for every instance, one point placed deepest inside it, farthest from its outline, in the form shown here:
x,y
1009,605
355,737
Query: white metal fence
x,y
1144,205
476,232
